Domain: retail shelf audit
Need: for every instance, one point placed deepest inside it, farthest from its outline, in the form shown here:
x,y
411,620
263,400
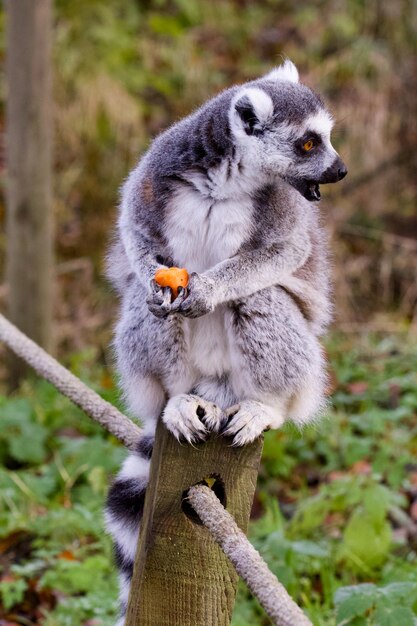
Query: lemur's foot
x,y
247,421
192,418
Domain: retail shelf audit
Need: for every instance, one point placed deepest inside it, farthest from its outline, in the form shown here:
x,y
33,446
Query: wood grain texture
x,y
247,561
181,576
29,118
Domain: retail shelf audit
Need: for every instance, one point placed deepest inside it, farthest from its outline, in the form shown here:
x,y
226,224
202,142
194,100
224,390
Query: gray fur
x,y
223,193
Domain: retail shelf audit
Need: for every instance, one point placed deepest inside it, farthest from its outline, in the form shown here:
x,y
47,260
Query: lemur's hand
x,y
195,300
199,298
159,300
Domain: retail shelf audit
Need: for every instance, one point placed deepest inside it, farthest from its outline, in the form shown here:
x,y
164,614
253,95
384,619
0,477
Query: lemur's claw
x,y
155,288
211,415
191,419
198,299
182,294
246,423
181,418
159,300
228,416
158,311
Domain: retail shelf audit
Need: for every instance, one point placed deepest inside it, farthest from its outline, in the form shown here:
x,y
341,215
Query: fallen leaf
x,y
336,475
358,387
362,468
67,555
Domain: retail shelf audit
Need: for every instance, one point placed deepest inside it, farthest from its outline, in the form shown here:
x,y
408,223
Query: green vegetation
x,y
56,470
333,516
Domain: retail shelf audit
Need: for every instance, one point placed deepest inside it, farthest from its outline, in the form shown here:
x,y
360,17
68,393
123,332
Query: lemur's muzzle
x,y
310,189
334,173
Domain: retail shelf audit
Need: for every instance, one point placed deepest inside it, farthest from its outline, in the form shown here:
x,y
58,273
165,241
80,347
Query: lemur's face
x,y
284,130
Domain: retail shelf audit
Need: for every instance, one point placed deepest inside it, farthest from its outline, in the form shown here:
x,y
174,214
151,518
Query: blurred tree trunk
x,y
29,263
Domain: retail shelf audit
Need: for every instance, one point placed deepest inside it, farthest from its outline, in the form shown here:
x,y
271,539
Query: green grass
x,y
330,516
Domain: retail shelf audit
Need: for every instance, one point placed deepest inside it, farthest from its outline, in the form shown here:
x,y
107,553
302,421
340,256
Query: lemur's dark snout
x,y
334,173
342,171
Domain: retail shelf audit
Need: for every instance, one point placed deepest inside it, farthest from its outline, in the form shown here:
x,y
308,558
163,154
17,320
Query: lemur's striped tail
x,y
124,511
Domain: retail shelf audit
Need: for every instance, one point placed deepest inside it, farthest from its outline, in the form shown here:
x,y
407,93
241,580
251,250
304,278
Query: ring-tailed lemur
x,y
228,194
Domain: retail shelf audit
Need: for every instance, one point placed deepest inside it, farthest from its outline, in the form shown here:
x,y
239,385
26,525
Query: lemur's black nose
x,y
341,172
335,172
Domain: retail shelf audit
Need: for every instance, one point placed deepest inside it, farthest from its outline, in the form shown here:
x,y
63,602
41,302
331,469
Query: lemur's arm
x,y
144,259
142,243
249,272
235,278
141,252
244,274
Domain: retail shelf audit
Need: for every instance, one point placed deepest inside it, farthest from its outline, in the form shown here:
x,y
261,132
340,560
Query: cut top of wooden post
x,y
181,576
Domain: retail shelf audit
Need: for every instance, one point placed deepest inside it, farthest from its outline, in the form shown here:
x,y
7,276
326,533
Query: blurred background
x,y
336,510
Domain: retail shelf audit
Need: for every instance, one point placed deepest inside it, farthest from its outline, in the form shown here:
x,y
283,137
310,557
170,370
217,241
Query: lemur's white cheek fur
x,y
320,122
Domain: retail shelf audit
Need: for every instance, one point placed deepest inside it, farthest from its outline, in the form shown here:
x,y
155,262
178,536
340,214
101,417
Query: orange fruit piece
x,y
173,277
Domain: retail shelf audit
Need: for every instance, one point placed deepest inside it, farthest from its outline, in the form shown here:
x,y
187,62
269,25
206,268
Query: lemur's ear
x,y
286,71
251,109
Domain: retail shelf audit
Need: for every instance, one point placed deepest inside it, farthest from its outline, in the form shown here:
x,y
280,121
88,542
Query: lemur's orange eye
x,y
308,145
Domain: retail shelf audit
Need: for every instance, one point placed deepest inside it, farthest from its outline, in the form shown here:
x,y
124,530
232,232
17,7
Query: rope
x,y
88,400
247,561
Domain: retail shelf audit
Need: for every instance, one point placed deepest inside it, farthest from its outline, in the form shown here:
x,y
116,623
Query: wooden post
x,y
29,166
181,576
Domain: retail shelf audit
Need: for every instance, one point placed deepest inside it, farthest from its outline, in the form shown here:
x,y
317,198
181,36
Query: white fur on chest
x,y
202,231
208,341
